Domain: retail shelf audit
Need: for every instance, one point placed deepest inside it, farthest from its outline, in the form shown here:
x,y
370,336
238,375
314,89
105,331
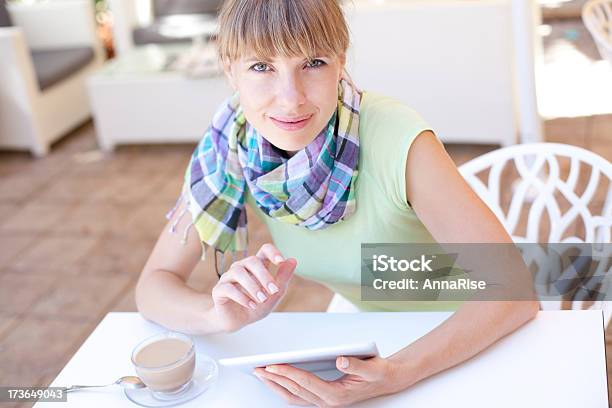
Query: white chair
x,y
47,50
538,186
547,196
597,16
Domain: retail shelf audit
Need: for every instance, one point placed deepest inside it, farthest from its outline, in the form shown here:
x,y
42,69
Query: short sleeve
x,y
387,129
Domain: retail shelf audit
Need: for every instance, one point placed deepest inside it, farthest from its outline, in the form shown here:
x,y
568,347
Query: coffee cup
x,y
165,363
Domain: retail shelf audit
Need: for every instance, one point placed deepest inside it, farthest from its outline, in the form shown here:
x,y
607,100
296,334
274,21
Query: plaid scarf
x,y
314,189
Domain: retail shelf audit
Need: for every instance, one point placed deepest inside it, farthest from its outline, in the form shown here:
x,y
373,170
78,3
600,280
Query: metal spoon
x,y
129,381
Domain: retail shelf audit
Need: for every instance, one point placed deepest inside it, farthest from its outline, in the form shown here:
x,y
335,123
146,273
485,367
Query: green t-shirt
x,y
332,256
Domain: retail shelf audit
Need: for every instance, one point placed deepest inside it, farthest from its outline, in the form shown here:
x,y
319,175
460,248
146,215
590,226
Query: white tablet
x,y
314,360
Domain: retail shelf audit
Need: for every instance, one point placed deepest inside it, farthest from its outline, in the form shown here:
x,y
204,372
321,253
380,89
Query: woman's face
x,y
289,100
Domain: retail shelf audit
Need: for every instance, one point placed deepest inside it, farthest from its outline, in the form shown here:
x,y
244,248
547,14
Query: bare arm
x,y
162,294
247,291
476,324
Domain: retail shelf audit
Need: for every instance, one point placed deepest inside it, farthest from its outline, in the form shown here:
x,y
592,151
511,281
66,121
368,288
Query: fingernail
x,y
278,259
272,288
252,305
261,296
271,369
344,362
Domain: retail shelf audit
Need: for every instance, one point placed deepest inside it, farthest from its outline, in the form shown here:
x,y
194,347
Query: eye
x,y
260,67
315,63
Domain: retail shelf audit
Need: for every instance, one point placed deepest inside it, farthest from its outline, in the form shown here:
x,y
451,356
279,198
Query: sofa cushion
x,y
52,66
150,35
5,17
168,7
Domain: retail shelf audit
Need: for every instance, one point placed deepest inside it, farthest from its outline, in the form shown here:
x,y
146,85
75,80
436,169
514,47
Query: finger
x,y
243,277
259,270
367,369
270,252
228,291
292,387
303,378
286,395
285,272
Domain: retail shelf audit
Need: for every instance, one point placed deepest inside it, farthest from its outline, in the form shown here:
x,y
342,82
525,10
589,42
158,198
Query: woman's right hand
x,y
248,291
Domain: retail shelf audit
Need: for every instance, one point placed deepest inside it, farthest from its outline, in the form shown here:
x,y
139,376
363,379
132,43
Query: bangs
x,y
288,28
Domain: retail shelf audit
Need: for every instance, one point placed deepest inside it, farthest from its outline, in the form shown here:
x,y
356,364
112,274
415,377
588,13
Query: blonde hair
x,y
269,28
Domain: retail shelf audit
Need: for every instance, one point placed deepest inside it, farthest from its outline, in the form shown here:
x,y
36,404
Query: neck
x,y
287,153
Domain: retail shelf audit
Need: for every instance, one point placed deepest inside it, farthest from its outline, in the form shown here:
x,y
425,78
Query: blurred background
x,y
103,101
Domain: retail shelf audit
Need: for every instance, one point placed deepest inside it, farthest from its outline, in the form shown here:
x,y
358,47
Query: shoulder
x,y
387,118
387,129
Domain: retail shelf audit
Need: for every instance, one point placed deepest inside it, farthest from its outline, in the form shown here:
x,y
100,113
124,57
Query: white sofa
x,y
138,22
39,103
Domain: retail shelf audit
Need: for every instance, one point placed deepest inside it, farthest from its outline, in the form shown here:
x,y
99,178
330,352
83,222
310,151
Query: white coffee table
x,y
137,99
557,360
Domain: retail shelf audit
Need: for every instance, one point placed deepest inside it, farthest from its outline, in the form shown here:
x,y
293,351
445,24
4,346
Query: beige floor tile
x,y
115,255
13,244
19,187
7,322
462,153
18,377
7,210
602,149
19,292
128,189
39,171
601,130
127,302
53,253
70,189
93,218
81,297
42,346
81,139
153,160
572,131
168,192
147,220
34,217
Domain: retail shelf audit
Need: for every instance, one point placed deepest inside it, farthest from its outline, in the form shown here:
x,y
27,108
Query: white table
x,y
557,360
135,98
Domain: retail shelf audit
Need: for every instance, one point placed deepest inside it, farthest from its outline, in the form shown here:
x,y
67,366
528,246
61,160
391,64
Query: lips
x,y
288,123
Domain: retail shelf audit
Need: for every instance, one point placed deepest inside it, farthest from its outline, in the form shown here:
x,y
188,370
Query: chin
x,y
297,142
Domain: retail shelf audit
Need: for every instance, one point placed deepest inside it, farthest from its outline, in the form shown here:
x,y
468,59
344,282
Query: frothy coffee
x,y
162,353
165,365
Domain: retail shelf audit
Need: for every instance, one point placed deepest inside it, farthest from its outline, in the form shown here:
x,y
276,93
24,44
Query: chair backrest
x,y
547,193
523,183
169,7
597,17
5,17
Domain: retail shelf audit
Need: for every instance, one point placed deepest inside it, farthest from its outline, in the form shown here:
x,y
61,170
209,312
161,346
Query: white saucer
x,y
204,376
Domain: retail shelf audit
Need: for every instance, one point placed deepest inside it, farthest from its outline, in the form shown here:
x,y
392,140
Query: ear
x,y
342,63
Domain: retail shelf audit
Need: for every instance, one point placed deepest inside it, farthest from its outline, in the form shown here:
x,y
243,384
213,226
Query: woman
x,y
326,167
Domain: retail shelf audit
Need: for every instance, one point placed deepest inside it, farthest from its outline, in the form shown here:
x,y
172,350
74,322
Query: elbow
x,y
140,296
528,310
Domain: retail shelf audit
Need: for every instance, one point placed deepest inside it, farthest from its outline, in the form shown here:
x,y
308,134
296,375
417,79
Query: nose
x,y
290,92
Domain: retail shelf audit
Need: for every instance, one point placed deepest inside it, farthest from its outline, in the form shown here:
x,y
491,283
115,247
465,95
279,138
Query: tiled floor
x,y
76,228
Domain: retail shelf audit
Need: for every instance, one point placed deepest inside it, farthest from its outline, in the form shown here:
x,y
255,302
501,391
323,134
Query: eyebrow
x,y
255,59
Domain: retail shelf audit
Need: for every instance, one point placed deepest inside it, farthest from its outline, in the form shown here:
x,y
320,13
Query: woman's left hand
x,y
364,379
